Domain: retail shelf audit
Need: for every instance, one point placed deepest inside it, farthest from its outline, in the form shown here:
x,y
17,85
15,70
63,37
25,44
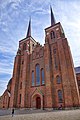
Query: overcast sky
x,y
14,18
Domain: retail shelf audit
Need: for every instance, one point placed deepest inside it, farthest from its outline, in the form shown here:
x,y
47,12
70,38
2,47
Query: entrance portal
x,y
38,102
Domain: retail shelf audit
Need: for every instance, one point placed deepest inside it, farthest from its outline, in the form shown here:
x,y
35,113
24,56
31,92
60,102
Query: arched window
x,y
60,96
32,78
52,34
24,46
37,74
58,79
21,85
42,76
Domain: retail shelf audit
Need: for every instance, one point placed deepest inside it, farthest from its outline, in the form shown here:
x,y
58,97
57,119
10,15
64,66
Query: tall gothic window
x,y
37,74
42,76
52,34
58,79
32,78
24,46
60,96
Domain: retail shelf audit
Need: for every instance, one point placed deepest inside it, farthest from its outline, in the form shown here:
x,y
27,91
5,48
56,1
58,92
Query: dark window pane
x,y
32,78
52,34
37,74
42,76
58,78
60,97
24,46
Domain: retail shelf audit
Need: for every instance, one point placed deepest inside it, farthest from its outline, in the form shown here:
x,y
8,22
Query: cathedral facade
x,y
44,76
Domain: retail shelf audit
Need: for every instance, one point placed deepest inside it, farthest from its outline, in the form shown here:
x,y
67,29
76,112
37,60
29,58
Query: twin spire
x,y
29,29
52,17
29,26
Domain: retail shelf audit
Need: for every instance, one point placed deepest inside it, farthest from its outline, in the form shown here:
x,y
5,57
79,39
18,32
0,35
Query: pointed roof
x,y
52,17
29,29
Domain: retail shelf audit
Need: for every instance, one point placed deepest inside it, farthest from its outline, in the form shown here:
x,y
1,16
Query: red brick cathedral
x,y
44,76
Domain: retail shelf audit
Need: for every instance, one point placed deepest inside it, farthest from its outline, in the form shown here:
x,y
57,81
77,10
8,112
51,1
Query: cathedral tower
x,y
20,72
64,88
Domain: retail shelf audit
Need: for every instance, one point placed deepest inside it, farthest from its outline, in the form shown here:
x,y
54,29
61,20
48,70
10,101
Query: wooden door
x,y
38,102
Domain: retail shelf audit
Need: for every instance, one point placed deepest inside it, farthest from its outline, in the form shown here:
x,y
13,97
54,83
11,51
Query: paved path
x,y
57,115
20,111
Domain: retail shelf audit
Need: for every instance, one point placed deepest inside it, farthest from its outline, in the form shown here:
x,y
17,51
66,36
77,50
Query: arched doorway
x,y
38,103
